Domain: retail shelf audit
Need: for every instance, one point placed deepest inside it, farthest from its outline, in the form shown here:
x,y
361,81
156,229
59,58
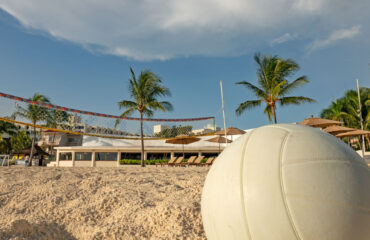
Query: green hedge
x,y
149,162
137,162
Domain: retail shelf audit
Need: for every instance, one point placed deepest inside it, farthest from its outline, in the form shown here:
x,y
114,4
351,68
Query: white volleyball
x,y
285,181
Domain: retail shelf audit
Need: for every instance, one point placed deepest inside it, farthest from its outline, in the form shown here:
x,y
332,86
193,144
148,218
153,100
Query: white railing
x,y
5,159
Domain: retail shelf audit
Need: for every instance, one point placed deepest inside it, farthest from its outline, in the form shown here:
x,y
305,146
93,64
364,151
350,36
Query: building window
x,y
83,156
106,156
72,140
65,156
131,156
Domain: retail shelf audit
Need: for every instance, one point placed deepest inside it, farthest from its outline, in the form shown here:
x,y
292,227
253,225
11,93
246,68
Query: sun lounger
x,y
178,161
190,161
209,162
198,161
172,160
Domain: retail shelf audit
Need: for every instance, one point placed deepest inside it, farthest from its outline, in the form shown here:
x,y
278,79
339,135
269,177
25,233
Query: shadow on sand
x,y
22,229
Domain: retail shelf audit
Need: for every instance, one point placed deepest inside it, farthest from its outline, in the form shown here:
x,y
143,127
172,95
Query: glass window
x,y
65,156
72,140
106,156
81,156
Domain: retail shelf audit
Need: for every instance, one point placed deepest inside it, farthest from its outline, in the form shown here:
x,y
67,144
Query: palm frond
x,y
268,111
288,88
257,91
276,90
295,100
247,105
127,104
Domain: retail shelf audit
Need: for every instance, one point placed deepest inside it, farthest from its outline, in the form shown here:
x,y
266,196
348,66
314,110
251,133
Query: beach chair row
x,y
192,161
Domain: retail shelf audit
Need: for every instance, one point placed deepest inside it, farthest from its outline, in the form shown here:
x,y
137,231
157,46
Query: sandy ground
x,y
101,203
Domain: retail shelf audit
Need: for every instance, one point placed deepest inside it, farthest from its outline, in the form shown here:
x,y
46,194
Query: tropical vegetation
x,y
273,86
174,131
56,119
346,109
20,141
10,130
144,92
35,114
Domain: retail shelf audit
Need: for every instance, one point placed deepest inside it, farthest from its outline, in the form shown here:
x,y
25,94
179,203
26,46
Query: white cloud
x,y
284,38
334,37
163,29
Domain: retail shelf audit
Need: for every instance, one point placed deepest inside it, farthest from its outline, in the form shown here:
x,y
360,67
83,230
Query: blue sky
x,y
79,54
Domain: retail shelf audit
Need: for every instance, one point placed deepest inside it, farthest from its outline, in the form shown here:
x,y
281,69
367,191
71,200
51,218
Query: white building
x,y
159,128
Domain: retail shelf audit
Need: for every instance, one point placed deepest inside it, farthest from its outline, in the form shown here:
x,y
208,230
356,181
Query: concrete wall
x,y
65,163
106,163
82,163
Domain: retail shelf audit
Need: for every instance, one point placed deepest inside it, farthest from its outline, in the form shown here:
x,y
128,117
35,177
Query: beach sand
x,y
129,202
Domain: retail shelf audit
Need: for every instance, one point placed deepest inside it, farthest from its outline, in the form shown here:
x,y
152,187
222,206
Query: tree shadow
x,y
22,229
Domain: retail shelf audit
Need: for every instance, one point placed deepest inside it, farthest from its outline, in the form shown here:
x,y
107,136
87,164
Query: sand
x,y
129,202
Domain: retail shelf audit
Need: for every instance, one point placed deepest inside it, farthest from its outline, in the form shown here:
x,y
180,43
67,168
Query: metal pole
x,y
223,110
360,115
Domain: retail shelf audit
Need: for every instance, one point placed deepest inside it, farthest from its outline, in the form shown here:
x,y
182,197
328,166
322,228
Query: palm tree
x,y
56,119
34,113
144,92
337,112
346,109
8,128
273,86
11,130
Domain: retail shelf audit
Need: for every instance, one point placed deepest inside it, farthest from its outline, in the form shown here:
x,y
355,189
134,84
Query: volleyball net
x,y
20,111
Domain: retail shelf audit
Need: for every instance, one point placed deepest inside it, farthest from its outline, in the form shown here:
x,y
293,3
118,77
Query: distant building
x,y
50,139
210,128
159,128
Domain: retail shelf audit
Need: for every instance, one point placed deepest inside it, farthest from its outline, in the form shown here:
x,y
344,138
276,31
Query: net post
x,y
118,157
93,159
214,124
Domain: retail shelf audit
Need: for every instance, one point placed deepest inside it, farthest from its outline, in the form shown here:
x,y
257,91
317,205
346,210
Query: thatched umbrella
x,y
356,132
230,131
27,151
335,129
219,140
182,139
319,122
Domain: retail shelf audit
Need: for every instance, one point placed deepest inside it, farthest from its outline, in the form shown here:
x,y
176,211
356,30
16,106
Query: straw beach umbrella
x,y
219,140
354,133
36,151
182,139
230,131
319,122
335,129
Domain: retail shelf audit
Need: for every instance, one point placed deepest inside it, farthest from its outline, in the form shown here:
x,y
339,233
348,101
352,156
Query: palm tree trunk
x,y
274,114
142,140
32,146
52,145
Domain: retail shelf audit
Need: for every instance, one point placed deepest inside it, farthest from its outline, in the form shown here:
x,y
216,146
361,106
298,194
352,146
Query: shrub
x,y
137,162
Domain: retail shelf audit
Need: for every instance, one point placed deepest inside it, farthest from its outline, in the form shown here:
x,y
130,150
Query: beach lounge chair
x,y
209,162
198,161
190,161
172,160
178,161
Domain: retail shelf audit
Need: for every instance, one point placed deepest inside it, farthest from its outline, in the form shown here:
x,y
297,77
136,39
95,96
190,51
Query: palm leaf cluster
x,y
36,113
144,91
273,86
346,109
